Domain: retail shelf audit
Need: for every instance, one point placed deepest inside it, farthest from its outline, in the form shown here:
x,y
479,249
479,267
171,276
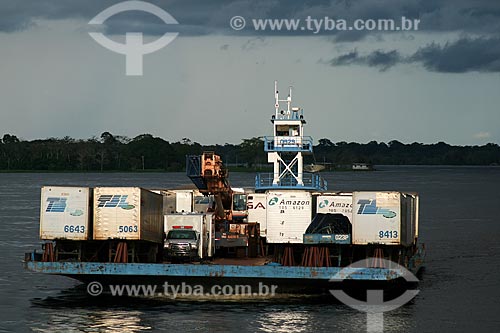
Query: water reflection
x,y
72,310
93,321
328,317
285,321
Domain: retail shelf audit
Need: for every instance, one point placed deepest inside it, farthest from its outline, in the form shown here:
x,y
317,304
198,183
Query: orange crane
x,y
211,178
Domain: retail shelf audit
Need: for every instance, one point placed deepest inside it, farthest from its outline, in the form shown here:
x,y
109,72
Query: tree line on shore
x,y
146,152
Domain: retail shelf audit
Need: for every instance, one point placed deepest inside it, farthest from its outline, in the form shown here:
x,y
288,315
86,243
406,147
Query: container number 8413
x,y
388,234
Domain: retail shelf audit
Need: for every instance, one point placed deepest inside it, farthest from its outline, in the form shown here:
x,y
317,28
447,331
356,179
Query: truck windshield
x,y
181,234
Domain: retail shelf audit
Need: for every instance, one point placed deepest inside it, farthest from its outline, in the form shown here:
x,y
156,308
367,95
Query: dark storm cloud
x,y
464,55
347,59
379,59
478,18
199,17
383,60
195,17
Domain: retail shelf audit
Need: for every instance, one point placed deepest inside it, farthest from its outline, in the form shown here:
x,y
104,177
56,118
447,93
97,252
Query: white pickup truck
x,y
189,236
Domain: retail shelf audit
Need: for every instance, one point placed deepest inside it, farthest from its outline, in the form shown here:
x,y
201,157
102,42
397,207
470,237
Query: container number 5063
x,y
127,228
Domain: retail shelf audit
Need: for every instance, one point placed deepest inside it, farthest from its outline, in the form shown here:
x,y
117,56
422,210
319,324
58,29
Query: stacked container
x,y
65,213
288,216
335,203
257,207
128,213
389,218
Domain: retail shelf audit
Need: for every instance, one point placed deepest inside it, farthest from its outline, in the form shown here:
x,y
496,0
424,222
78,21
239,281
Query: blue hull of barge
x,y
211,271
288,279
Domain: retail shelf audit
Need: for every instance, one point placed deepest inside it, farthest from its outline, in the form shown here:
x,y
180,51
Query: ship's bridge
x,y
288,133
285,149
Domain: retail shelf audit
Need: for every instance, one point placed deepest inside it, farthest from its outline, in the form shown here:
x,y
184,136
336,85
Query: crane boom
x,y
210,176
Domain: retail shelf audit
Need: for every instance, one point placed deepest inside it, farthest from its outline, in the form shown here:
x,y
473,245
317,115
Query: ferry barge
x,y
289,231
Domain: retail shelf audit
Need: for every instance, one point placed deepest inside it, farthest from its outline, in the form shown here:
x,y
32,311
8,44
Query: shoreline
x,y
252,170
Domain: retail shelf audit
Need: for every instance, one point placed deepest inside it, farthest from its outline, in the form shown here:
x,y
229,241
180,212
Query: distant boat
x,y
362,166
313,168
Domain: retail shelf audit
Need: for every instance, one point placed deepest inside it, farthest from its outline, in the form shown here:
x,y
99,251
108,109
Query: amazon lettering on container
x,y
335,203
288,216
130,213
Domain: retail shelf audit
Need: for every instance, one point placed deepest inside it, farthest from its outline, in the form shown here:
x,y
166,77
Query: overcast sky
x,y
215,85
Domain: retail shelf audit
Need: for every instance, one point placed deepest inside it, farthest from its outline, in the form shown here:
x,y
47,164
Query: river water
x,y
459,289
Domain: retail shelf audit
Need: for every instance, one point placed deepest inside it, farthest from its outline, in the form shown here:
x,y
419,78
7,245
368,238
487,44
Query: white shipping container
x,y
187,201
288,216
211,234
169,202
183,201
128,213
256,206
178,201
384,218
409,220
202,203
64,213
376,218
335,204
